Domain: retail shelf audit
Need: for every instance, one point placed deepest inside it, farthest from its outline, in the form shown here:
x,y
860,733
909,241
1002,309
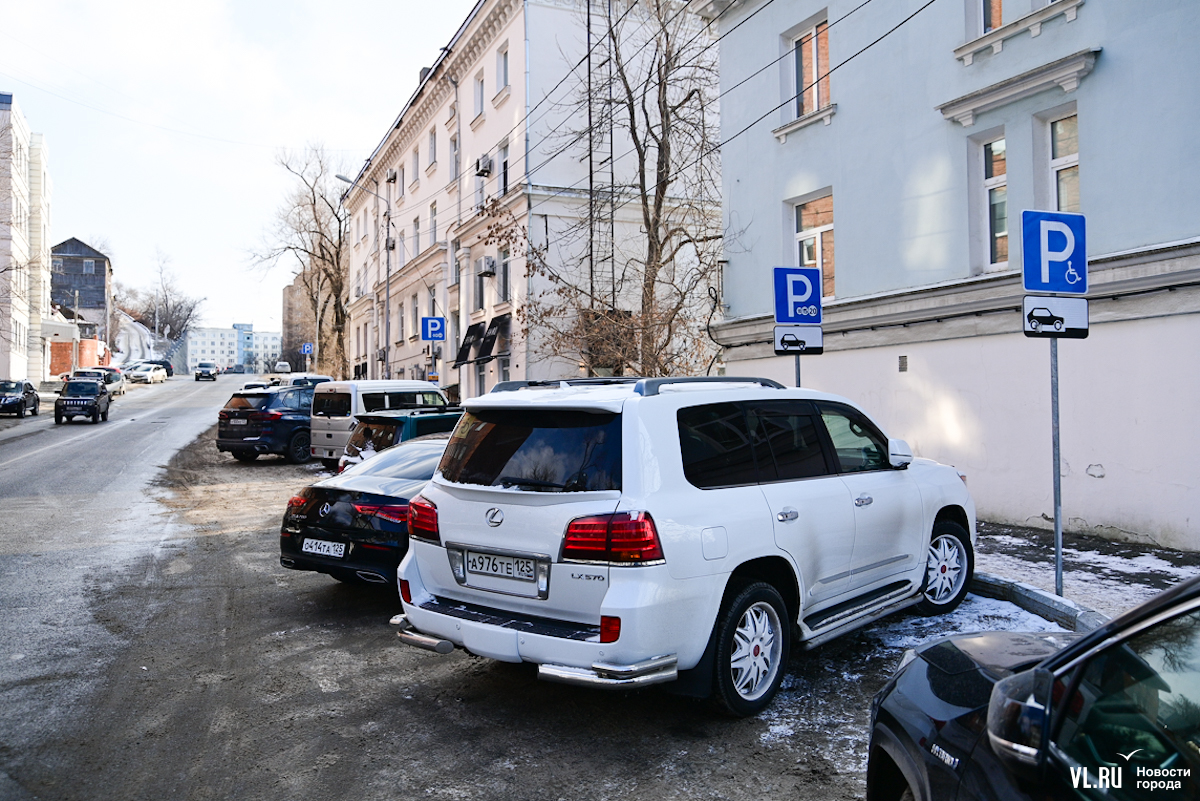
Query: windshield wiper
x,y
517,481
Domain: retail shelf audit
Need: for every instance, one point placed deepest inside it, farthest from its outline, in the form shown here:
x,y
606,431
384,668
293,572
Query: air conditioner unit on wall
x,y
483,166
487,266
391,176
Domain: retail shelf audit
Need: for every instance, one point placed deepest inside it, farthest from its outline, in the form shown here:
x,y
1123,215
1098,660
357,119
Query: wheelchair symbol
x,y
1072,276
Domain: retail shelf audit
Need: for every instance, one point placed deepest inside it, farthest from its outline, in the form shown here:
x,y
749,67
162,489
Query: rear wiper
x,y
517,481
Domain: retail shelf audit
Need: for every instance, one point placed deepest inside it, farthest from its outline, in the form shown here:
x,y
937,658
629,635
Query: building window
x,y
502,284
432,223
400,181
89,266
502,68
478,94
995,186
480,198
56,265
416,311
433,301
503,154
416,159
1064,162
502,367
812,70
481,378
454,157
455,255
432,146
416,235
992,15
403,254
479,284
399,321
814,239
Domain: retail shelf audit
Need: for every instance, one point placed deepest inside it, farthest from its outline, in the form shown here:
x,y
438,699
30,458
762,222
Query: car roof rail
x,y
651,386
563,383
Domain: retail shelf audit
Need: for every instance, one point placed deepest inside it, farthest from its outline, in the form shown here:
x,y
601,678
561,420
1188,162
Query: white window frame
x,y
416,236
416,310
1057,165
502,67
798,86
817,234
989,185
433,223
432,146
479,95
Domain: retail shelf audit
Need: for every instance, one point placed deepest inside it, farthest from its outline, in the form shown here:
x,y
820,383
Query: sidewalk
x,y
1101,578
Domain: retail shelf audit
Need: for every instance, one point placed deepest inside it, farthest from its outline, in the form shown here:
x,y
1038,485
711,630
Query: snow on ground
x,y
825,698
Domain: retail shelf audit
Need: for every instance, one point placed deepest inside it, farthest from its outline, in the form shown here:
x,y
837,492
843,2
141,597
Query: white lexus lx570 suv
x,y
620,533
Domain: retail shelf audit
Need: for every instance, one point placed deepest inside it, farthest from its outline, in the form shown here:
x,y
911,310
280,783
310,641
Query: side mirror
x,y
899,454
1018,720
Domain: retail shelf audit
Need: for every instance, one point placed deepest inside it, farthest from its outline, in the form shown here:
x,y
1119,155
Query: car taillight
x,y
296,501
405,592
628,537
263,417
610,628
396,513
222,415
423,520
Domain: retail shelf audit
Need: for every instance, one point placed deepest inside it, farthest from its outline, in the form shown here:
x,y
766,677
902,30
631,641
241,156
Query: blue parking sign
x,y
1054,252
433,329
798,295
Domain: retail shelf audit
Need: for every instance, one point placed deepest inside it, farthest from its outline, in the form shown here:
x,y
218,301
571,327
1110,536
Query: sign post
x,y
1054,256
798,313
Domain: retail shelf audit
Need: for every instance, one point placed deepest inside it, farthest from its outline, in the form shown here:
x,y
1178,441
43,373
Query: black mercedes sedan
x,y
354,526
1112,714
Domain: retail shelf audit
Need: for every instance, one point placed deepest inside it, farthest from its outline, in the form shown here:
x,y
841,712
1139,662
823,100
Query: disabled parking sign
x,y
798,295
1054,251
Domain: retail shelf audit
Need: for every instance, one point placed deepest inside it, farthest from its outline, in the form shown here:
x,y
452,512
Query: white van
x,y
336,402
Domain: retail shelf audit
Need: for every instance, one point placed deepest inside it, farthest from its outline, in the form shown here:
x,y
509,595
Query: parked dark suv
x,y
18,397
266,421
82,397
1114,714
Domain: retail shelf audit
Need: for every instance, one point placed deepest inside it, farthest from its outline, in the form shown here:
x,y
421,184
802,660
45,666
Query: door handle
x,y
787,515
863,500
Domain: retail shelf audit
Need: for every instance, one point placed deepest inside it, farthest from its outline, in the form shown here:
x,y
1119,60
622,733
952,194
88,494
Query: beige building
x,y
489,135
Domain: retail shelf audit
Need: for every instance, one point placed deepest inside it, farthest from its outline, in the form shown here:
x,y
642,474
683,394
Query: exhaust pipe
x,y
409,636
374,578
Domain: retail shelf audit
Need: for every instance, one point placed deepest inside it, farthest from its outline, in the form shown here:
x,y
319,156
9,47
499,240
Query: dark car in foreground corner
x,y
82,397
1113,714
354,526
18,397
261,421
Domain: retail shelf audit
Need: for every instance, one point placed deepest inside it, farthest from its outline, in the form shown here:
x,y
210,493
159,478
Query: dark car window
x,y
10,386
331,404
247,401
371,437
857,444
786,440
289,400
417,462
543,450
82,388
715,443
374,401
433,425
1137,704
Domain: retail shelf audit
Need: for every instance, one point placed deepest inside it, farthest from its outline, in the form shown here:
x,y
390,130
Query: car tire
x,y
57,419
245,456
197,378
37,408
753,644
298,448
907,795
21,411
96,417
104,415
949,568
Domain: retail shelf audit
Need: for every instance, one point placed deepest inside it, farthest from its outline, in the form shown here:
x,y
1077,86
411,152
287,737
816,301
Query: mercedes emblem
x,y
325,509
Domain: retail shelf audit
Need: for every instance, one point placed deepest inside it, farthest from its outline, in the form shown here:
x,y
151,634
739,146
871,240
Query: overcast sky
x,y
163,120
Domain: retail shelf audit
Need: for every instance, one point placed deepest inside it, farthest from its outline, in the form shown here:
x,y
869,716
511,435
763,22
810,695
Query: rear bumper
x,y
375,566
249,445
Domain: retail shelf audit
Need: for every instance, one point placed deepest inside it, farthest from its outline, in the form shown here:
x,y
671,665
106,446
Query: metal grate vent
x,y
904,364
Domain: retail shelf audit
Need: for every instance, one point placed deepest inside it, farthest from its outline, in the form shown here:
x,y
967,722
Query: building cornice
x,y
1065,73
1032,22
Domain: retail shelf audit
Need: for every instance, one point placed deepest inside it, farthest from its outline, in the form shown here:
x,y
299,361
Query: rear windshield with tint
x,y
370,437
247,402
540,451
9,386
416,462
82,388
374,401
331,404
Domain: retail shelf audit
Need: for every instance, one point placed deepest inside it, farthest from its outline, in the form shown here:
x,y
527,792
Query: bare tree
x,y
312,233
648,129
163,307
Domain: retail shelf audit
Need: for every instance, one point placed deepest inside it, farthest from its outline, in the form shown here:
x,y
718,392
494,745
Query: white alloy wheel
x,y
949,567
758,649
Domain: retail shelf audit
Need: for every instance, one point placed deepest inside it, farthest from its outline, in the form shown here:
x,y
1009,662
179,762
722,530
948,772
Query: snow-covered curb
x,y
1064,612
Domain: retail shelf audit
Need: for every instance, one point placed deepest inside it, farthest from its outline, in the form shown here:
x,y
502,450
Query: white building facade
x,y
237,344
25,314
919,153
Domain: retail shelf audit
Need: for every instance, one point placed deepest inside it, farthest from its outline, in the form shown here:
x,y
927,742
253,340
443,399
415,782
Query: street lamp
x,y
387,283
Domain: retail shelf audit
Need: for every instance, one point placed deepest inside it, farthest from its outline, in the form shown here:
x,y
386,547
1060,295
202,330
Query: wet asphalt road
x,y
75,506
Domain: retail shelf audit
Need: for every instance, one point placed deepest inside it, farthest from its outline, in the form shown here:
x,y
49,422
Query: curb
x,y
1063,611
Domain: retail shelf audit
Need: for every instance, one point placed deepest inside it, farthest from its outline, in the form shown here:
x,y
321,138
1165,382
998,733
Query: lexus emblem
x,y
494,517
325,510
